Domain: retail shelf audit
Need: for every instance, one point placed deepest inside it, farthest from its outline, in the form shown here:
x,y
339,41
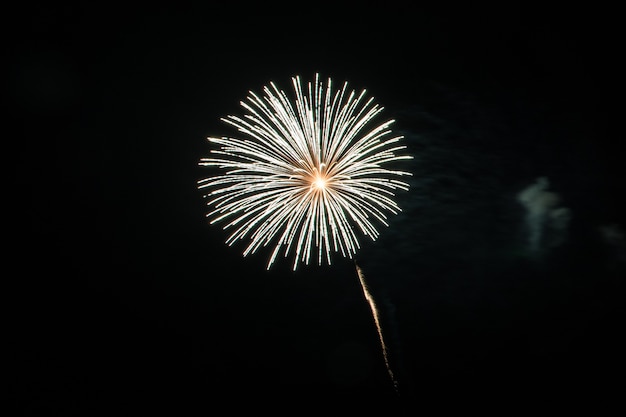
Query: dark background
x,y
123,301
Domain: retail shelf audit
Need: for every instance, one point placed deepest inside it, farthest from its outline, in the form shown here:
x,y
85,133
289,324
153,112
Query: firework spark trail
x,y
376,316
308,175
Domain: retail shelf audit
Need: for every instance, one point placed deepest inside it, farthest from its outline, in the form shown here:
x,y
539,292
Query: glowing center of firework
x,y
319,179
319,182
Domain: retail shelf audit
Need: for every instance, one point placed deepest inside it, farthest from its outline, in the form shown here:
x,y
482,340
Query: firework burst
x,y
308,173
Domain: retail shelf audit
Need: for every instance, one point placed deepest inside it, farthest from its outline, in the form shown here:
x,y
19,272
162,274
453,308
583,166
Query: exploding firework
x,y
307,176
308,173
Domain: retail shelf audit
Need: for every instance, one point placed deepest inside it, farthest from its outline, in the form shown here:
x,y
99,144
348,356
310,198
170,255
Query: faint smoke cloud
x,y
614,239
546,221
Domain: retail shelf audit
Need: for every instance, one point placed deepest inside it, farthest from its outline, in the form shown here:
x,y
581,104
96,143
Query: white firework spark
x,y
305,176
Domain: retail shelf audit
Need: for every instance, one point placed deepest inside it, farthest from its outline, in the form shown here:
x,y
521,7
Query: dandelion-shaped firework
x,y
306,174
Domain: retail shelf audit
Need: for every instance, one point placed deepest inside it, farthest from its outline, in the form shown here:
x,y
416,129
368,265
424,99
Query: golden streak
x,y
376,316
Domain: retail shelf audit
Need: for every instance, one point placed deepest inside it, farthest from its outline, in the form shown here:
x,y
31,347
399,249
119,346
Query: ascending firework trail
x,y
307,173
379,329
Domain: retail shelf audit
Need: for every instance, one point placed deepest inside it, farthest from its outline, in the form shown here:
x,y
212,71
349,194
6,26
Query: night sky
x,y
123,300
